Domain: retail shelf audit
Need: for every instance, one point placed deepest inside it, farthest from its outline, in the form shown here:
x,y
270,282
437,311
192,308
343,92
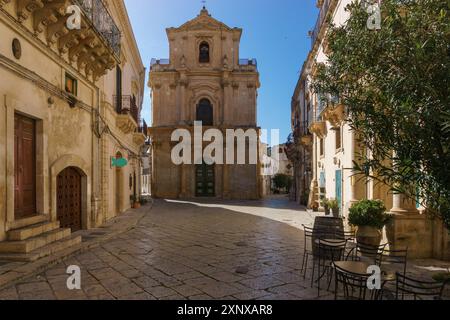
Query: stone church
x,y
203,80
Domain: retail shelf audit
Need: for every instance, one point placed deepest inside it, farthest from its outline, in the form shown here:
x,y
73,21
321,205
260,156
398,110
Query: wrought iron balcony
x,y
160,65
102,22
302,129
143,128
126,104
248,64
320,21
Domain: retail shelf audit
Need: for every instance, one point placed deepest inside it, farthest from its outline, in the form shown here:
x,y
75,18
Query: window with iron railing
x,y
321,105
126,104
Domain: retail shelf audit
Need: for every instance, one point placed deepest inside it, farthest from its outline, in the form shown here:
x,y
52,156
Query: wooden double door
x,y
205,185
24,167
69,199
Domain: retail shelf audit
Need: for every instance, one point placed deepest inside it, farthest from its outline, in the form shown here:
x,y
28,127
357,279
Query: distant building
x,y
146,178
204,80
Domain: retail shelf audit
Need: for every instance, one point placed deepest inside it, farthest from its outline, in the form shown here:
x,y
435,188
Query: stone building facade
x,y
203,80
70,101
324,149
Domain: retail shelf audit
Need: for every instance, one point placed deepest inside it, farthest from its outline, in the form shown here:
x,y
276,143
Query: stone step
x,y
32,231
70,244
28,221
31,244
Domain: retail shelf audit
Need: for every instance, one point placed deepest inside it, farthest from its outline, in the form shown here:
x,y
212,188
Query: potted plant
x,y
333,204
135,204
369,217
326,206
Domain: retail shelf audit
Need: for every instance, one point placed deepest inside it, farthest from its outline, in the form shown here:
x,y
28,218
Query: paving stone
x,y
161,292
262,283
182,250
187,291
24,288
146,282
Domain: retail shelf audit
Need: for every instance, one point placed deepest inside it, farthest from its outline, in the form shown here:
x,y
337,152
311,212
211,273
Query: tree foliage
x,y
395,85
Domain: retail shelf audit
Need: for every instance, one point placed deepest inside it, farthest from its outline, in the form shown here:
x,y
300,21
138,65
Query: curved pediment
x,y
203,21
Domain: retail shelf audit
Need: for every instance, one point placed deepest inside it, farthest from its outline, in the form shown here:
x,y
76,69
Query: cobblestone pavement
x,y
187,250
190,250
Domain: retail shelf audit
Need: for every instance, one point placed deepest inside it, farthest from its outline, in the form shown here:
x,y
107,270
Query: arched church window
x,y
204,52
205,112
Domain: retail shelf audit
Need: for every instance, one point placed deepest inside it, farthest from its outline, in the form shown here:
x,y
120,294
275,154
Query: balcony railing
x,y
248,64
160,65
127,105
320,20
102,22
302,129
143,128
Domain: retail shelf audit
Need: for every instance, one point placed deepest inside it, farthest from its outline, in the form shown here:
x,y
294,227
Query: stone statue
x,y
225,61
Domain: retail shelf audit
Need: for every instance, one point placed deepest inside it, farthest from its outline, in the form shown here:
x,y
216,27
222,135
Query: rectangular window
x,y
338,139
322,148
71,85
118,89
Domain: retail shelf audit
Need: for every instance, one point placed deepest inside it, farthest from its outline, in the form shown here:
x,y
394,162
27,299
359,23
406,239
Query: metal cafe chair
x,y
327,252
418,290
392,261
366,252
354,285
308,249
312,234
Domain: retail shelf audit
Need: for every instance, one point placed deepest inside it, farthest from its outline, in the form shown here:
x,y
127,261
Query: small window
x,y
338,138
205,112
204,52
322,148
71,85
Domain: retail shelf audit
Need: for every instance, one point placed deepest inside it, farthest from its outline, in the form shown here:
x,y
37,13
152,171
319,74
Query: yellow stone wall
x,y
64,135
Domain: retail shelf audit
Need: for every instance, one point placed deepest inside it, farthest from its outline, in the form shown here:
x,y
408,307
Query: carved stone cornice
x,y
319,128
88,48
335,114
126,123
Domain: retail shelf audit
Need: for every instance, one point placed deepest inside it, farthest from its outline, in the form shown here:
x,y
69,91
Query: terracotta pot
x,y
136,205
368,235
336,213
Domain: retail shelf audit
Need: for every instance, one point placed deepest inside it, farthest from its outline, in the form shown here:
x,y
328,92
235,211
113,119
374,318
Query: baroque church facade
x,y
203,80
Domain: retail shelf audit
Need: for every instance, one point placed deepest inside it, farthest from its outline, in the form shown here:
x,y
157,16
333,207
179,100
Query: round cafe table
x,y
360,267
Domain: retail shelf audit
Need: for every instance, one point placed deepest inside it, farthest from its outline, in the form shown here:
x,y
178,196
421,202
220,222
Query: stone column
x,y
352,192
409,228
183,182
226,182
227,96
181,105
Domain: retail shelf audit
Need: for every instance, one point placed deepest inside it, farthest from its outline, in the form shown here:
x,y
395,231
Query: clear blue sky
x,y
274,32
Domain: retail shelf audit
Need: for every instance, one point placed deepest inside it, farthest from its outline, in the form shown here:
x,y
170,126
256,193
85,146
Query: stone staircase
x,y
37,240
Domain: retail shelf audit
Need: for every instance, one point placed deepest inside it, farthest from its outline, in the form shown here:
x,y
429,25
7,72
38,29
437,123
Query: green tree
x,y
282,182
395,85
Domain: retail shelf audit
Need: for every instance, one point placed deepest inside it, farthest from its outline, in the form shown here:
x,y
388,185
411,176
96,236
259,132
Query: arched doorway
x,y
119,185
69,198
